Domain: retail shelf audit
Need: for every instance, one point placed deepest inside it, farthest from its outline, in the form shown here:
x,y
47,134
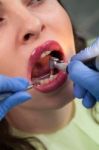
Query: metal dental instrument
x,y
35,82
56,63
7,94
92,63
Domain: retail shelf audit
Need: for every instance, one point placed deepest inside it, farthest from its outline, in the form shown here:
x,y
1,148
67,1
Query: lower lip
x,y
54,84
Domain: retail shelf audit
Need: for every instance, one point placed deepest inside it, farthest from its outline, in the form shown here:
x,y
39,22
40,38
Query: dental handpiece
x,y
92,63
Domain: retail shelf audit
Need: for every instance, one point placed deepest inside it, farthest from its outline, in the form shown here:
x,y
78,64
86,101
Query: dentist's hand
x,y
86,80
15,86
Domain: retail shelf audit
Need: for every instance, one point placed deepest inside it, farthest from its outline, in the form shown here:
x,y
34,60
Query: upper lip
x,y
36,53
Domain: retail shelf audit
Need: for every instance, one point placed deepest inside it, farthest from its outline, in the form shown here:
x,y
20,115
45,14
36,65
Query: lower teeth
x,y
46,81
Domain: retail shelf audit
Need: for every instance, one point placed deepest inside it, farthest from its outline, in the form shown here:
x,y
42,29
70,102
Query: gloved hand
x,y
86,80
17,86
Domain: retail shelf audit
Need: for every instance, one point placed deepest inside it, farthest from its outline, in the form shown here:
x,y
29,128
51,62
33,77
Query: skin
x,y
44,112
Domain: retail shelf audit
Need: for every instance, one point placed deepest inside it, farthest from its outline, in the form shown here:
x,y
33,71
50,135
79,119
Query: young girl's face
x,y
29,31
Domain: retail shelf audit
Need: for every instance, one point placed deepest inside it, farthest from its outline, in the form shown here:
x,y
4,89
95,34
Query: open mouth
x,y
39,69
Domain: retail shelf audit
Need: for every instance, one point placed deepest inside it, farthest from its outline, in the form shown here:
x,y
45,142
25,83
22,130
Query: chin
x,y
53,100
62,96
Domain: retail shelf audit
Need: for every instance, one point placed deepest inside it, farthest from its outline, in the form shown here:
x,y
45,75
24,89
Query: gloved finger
x,y
12,84
89,52
12,101
79,91
88,101
85,77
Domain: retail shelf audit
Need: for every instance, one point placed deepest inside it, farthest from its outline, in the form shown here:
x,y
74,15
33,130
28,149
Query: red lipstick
x,y
39,66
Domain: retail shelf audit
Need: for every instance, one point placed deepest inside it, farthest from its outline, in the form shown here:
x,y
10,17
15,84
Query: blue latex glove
x,y
86,80
17,86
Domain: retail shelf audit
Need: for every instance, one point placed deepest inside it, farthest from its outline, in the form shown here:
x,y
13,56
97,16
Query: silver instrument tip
x,y
56,63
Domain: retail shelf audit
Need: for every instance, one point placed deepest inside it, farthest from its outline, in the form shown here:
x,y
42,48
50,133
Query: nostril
x,y
28,36
42,28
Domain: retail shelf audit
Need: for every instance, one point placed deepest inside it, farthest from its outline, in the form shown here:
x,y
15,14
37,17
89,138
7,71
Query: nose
x,y
31,29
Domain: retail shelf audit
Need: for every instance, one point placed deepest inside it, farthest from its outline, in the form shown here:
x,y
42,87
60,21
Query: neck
x,y
40,121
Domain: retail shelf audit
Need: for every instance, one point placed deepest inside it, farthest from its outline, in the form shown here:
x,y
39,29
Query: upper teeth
x,y
45,54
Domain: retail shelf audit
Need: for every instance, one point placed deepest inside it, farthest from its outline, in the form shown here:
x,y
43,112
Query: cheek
x,y
62,28
12,63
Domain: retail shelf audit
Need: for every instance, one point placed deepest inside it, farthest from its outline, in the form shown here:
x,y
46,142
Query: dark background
x,y
85,16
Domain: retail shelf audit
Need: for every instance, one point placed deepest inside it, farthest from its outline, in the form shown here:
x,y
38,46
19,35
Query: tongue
x,y
41,68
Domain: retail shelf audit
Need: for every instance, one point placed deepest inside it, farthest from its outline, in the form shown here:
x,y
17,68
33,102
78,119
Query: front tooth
x,y
45,54
51,77
41,81
46,81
